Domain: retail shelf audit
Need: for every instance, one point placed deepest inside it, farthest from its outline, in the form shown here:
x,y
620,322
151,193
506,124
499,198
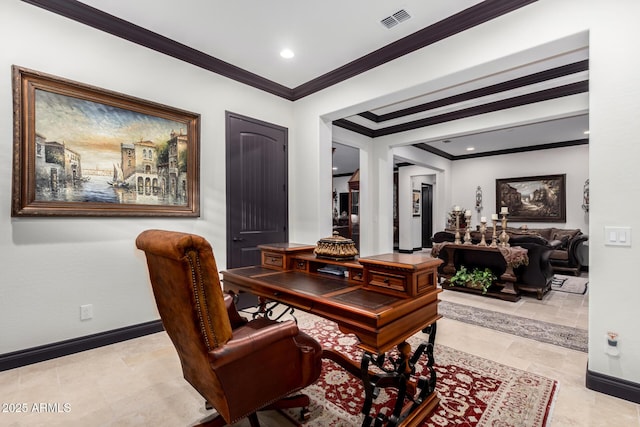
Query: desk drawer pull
x,y
389,281
274,260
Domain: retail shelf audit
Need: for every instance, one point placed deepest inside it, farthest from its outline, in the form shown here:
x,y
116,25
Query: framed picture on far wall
x,y
533,198
83,151
416,202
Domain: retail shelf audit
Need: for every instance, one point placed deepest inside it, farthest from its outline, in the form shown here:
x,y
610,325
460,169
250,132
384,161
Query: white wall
x,y
50,266
94,261
341,184
516,39
409,226
614,185
471,173
467,175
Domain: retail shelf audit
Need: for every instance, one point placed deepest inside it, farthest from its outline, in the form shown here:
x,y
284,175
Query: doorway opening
x,y
346,192
427,214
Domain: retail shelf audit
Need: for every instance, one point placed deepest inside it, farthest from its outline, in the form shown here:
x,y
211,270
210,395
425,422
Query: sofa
x,y
537,275
564,243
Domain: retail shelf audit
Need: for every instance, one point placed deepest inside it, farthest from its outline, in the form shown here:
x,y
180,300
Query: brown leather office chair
x,y
239,367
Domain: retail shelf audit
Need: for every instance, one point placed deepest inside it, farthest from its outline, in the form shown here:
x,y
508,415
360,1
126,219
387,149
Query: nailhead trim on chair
x,y
198,289
195,273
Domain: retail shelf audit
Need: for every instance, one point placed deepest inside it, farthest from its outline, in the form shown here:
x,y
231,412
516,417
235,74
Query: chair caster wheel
x,y
305,414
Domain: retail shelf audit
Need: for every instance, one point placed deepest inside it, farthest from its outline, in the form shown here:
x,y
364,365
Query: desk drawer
x,y
270,259
426,281
395,282
301,265
356,275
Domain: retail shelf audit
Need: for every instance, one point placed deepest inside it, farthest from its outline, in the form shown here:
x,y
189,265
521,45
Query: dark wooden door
x,y
427,215
256,188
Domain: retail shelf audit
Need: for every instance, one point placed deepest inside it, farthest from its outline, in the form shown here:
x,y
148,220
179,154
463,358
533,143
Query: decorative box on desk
x,y
403,275
279,256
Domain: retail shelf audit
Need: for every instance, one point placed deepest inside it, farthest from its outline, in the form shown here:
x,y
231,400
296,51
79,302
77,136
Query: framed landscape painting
x,y
533,198
416,203
79,150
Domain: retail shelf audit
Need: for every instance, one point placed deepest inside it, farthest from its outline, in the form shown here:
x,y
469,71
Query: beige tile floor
x,y
139,383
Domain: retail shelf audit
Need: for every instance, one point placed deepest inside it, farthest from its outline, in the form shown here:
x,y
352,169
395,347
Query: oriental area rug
x,y
473,392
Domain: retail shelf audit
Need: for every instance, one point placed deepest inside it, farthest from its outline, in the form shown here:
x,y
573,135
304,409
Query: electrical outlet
x,y
86,312
611,348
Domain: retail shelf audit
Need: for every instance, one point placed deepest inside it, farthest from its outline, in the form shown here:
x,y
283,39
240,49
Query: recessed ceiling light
x,y
471,148
586,132
287,53
335,168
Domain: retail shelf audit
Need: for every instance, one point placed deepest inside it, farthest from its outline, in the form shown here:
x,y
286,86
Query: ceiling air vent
x,y
393,20
401,15
389,21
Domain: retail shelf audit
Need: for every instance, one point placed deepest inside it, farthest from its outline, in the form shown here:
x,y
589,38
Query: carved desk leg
x,y
370,389
416,399
267,308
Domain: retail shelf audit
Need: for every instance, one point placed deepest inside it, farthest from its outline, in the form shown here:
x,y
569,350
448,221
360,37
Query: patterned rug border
x,y
490,407
550,333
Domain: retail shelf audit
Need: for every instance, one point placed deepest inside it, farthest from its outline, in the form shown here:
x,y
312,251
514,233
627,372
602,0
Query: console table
x,y
384,300
504,259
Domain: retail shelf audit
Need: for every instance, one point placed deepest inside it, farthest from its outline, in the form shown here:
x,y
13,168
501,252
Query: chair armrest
x,y
573,246
251,342
234,317
579,239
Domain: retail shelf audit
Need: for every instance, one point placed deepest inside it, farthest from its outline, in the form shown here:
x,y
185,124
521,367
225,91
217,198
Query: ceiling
x,y
334,40
250,34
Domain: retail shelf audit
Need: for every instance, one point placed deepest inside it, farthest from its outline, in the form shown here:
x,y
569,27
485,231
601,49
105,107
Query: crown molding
x,y
108,23
468,18
354,127
527,149
503,104
454,24
530,79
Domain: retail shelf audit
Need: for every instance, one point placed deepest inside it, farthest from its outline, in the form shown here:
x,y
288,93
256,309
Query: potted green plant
x,y
475,279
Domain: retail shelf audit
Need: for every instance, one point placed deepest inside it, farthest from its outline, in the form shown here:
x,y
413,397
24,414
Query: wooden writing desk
x,y
371,305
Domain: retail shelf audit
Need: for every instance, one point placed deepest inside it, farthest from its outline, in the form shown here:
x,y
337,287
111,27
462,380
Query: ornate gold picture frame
x,y
84,151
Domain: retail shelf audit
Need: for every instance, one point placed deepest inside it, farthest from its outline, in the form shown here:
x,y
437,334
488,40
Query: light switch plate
x,y
617,236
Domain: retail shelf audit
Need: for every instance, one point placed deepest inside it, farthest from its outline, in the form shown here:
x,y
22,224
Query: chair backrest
x,y
186,286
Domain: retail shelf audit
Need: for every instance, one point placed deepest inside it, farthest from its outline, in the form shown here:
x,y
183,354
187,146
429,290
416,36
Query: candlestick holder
x,y
504,237
483,229
494,236
457,238
467,233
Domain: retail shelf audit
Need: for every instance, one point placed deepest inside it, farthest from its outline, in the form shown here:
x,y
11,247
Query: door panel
x,y
427,215
256,188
